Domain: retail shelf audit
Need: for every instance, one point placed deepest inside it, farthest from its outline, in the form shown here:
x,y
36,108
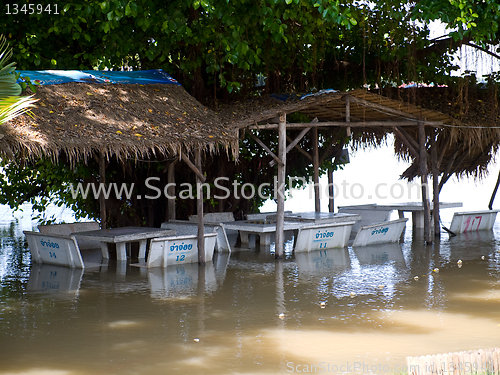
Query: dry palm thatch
x,y
466,142
466,146
125,120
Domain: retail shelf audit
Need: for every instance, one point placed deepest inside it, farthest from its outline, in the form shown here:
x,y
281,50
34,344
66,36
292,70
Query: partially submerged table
x,y
122,236
293,221
416,209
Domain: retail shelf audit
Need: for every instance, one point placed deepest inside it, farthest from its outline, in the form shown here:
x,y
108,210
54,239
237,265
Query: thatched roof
x,y
125,120
470,144
466,144
329,107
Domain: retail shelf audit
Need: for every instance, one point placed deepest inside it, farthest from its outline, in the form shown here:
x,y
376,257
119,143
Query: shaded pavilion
x,y
426,137
81,120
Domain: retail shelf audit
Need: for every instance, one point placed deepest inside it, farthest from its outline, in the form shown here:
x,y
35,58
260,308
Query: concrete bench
x,y
370,214
68,228
380,233
54,249
165,251
217,218
473,221
213,217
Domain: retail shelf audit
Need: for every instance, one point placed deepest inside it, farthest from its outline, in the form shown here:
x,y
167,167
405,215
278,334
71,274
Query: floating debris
x,y
281,316
196,340
415,278
435,270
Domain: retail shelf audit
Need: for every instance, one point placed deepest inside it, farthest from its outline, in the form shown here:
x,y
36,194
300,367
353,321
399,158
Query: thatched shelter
x,y
80,120
436,143
124,120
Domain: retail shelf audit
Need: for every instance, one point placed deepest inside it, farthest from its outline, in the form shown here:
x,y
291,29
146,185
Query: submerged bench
x,y
179,249
380,233
54,249
217,218
68,228
473,221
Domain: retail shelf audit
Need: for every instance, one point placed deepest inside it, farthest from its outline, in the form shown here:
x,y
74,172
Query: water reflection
x,y
247,312
53,279
380,254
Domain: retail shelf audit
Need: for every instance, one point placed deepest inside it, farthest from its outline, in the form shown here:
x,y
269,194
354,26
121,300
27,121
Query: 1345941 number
x,y
13,9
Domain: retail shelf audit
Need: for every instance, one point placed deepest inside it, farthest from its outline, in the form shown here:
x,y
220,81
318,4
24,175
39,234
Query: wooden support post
x,y
331,207
423,178
314,138
193,167
280,214
102,180
199,210
435,185
348,114
490,205
171,191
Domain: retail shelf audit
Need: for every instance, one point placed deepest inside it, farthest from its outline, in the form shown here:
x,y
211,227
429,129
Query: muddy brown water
x,y
335,311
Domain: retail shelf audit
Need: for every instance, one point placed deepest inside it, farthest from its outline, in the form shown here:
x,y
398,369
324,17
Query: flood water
x,y
335,311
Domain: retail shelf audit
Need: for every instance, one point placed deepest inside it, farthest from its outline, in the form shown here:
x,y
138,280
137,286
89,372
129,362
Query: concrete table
x,y
123,236
416,209
320,217
264,228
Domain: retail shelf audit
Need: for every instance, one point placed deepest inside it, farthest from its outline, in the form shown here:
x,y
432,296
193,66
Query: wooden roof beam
x,y
382,107
355,124
268,150
301,150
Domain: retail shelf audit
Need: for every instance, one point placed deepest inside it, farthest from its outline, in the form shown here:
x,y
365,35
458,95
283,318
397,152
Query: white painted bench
x,y
323,236
473,221
69,228
54,249
370,214
217,218
165,251
380,233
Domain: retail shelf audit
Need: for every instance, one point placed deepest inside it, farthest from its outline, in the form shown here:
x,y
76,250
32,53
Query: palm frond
x,y
11,104
14,106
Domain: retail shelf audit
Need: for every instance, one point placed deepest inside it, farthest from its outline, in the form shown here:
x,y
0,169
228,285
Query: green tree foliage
x,y
215,47
219,49
467,19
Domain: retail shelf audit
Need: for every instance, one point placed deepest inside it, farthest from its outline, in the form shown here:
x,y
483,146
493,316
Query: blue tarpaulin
x,y
54,77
